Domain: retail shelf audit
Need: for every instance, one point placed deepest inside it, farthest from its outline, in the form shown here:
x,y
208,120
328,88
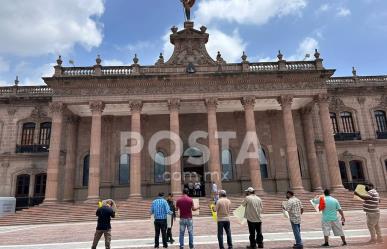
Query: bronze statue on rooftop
x,y
188,4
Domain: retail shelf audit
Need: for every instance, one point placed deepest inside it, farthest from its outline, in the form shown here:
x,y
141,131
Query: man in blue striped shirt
x,y
160,209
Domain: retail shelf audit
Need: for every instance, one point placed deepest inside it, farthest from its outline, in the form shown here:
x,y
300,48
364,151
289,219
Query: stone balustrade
x,y
357,81
30,91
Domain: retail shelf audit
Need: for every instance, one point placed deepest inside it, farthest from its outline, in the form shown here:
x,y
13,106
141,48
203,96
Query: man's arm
x,y
342,215
244,203
97,212
363,197
113,214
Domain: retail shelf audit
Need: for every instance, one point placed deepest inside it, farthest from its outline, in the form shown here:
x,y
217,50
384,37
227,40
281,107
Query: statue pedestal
x,y
188,25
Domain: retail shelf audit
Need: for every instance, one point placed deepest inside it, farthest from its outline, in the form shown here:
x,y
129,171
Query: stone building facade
x,y
310,130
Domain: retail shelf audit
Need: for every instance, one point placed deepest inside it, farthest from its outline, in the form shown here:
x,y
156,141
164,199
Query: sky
x,y
33,33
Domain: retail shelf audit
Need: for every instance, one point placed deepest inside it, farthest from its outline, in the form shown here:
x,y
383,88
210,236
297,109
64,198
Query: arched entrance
x,y
193,171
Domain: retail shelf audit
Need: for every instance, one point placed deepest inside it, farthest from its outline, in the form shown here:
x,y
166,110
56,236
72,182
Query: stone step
x,y
127,209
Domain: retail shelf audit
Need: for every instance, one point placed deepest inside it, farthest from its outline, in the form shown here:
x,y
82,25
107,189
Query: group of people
x,y
195,189
164,212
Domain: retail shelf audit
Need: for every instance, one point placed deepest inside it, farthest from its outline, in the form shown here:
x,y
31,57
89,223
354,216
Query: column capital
x,y
322,98
136,105
97,107
248,102
173,104
211,102
56,108
285,100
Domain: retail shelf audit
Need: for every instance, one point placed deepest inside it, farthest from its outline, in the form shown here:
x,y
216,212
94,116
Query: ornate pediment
x,y
336,104
190,46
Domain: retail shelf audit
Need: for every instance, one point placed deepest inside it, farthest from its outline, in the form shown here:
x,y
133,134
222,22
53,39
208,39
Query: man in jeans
x,y
222,209
295,210
160,210
185,205
253,212
104,213
371,208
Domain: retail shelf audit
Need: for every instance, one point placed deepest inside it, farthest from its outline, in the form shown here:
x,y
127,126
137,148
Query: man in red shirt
x,y
185,206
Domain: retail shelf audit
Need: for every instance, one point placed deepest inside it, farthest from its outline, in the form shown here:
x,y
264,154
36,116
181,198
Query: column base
x,y
318,189
339,188
259,192
135,197
298,190
51,201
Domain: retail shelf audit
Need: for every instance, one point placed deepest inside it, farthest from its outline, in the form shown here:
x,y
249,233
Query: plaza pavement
x,y
139,234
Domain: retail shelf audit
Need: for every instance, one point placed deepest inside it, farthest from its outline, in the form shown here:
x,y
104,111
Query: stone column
x,y
135,158
56,109
71,157
291,143
314,171
213,142
174,105
252,138
96,108
329,142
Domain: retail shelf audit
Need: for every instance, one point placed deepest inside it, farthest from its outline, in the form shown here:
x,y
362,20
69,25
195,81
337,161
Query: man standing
x,y
330,221
253,212
186,206
104,213
214,192
172,207
160,210
198,188
295,210
222,209
371,208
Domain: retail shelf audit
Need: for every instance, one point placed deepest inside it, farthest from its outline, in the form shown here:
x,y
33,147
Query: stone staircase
x,y
139,209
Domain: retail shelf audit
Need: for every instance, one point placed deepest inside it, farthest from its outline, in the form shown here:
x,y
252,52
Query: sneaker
x,y
380,240
372,241
325,245
260,245
344,243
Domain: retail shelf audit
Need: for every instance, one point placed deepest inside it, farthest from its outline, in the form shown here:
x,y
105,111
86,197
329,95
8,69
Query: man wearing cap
x,y
253,212
160,209
223,210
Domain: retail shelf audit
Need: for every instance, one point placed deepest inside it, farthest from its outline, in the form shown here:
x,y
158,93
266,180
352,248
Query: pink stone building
x,y
62,141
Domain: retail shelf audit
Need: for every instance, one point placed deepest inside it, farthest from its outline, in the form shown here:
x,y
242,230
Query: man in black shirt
x,y
172,207
104,213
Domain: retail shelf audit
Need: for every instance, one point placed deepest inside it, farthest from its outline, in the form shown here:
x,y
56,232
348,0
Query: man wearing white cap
x,y
253,212
223,209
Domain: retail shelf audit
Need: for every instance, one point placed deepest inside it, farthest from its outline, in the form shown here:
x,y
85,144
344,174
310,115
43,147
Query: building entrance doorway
x,y
193,172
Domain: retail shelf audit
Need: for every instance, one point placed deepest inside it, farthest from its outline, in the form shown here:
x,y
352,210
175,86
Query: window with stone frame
x,y
124,169
381,120
357,170
263,163
45,133
28,132
40,185
343,171
159,167
22,185
347,122
334,122
85,171
227,165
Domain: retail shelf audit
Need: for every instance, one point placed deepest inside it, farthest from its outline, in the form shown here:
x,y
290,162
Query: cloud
x,y
343,12
323,8
4,65
231,47
43,26
247,11
306,46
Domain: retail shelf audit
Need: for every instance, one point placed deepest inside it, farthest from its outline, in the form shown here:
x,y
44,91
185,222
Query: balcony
x,y
341,136
33,148
381,134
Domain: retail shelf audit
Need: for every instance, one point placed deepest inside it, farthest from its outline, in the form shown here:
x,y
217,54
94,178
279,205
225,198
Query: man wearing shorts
x,y
330,206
